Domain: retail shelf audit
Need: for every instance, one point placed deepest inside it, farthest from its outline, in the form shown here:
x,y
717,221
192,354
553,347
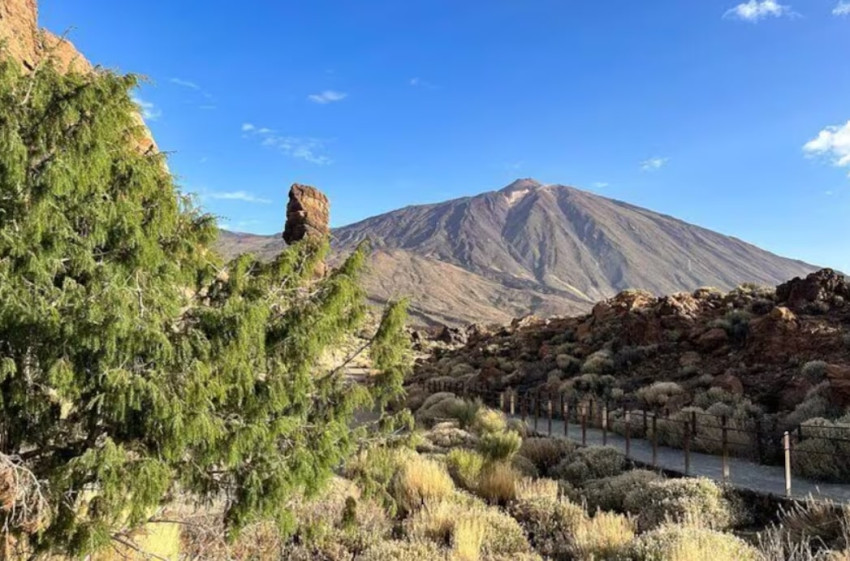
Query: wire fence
x,y
809,452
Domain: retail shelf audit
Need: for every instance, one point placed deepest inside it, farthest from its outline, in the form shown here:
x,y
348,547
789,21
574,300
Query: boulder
x,y
690,358
729,383
713,339
774,337
794,393
821,286
307,214
838,376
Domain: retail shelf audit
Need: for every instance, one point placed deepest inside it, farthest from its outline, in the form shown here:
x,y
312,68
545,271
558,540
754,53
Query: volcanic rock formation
x,y
307,214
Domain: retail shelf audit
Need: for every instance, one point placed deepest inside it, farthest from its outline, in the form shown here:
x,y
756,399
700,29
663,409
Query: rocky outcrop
x,y
307,214
822,286
31,45
839,384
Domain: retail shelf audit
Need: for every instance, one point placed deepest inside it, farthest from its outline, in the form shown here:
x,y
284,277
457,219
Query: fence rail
x,y
690,431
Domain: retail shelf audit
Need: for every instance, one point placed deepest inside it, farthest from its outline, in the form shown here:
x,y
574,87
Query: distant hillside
x,y
533,248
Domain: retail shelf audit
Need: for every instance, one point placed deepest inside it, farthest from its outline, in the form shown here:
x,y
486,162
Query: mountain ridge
x,y
535,248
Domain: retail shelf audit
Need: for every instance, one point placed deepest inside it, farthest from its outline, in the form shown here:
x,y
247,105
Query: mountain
x,y
534,248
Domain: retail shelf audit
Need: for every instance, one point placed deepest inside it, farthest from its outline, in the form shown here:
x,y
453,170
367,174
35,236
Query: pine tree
x,y
135,367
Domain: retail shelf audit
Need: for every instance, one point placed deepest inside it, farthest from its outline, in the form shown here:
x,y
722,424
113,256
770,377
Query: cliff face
x,y
29,44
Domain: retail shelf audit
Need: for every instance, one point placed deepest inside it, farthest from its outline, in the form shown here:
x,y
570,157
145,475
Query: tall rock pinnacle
x,y
307,214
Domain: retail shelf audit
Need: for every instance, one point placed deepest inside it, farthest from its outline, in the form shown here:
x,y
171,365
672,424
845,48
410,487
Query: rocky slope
x,y
543,249
786,350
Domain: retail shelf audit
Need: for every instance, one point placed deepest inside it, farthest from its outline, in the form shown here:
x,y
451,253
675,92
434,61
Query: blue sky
x,y
731,116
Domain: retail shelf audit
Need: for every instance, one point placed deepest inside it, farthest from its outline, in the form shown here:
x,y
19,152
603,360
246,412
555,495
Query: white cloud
x,y
756,10
327,96
842,9
185,83
600,185
302,148
420,83
653,164
832,142
149,111
237,196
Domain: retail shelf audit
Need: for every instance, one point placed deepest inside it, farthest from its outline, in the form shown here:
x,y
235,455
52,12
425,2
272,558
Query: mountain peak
x,y
522,184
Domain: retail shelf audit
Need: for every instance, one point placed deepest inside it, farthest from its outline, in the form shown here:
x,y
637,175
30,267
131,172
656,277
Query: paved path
x,y
743,473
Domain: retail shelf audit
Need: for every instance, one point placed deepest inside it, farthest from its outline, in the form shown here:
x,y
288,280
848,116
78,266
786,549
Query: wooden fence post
x,y
655,441
513,402
536,410
566,412
725,450
549,411
523,406
605,424
628,418
787,445
584,425
687,447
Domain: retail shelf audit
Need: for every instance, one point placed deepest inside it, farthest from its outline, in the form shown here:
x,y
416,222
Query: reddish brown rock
x,y
794,393
730,383
307,214
773,338
690,358
713,339
839,384
29,44
821,286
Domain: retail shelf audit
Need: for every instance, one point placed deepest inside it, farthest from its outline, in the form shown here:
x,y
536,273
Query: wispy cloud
x,y
600,185
654,164
327,96
149,111
833,142
185,83
302,148
237,196
842,9
757,10
420,83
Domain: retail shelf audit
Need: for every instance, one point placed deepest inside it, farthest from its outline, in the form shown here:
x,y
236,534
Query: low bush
x,y
736,324
500,446
546,453
372,471
699,502
439,523
600,362
497,483
594,462
567,364
488,421
628,357
465,467
846,340
815,369
709,434
824,452
524,466
468,539
448,435
658,394
605,536
816,405
609,493
689,543
419,481
528,489
404,551
440,407
550,524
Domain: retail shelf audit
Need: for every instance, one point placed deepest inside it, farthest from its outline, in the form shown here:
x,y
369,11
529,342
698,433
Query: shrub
x,y
610,493
419,481
464,466
404,551
736,323
600,362
815,369
497,483
447,435
439,523
466,413
550,524
525,466
372,470
628,357
846,340
489,421
467,540
529,488
694,501
500,446
658,394
689,543
604,536
568,364
546,453
444,406
594,462
816,405
824,452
